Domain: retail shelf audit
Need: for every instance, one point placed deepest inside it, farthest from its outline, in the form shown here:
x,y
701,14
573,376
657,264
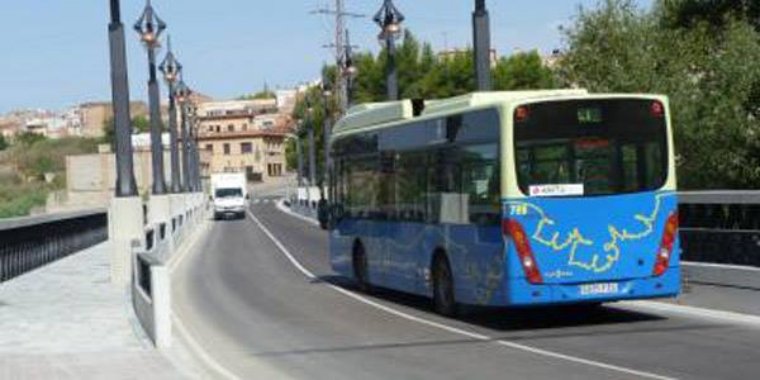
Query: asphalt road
x,y
259,316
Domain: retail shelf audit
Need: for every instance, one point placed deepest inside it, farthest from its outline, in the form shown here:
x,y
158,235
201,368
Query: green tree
x,y
618,47
3,143
522,71
422,74
263,94
717,13
140,124
27,139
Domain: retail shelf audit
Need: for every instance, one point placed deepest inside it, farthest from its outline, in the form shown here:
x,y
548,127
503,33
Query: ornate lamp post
x,y
195,157
482,43
349,71
327,95
182,94
150,27
299,153
389,19
312,146
125,176
171,68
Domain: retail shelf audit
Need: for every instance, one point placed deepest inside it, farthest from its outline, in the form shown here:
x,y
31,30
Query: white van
x,y
229,194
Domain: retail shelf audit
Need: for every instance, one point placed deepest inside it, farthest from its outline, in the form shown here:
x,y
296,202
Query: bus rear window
x,y
591,147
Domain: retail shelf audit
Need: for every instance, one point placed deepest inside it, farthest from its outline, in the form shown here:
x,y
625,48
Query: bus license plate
x,y
595,289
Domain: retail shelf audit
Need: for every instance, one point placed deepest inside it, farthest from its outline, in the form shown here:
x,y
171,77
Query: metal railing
x,y
30,243
721,227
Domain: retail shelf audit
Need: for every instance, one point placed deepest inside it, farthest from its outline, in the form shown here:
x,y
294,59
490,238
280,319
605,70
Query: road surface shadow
x,y
229,219
547,321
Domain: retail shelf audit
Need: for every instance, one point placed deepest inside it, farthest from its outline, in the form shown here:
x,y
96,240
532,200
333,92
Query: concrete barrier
x,y
151,281
722,275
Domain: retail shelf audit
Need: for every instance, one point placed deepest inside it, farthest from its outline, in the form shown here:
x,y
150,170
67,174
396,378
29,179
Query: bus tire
x,y
444,300
359,259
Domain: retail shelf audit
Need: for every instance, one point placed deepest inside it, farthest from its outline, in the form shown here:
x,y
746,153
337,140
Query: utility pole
x,y
125,176
340,43
482,42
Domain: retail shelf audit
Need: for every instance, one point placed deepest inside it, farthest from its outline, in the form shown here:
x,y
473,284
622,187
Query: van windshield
x,y
229,193
591,147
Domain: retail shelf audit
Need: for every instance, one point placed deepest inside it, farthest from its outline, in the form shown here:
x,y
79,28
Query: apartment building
x,y
244,136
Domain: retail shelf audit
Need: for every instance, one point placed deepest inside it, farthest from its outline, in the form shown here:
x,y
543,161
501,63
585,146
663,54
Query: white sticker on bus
x,y
561,190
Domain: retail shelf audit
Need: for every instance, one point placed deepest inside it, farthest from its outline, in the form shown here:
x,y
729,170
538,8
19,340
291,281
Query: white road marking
x,y
691,311
199,351
452,329
183,250
194,346
281,207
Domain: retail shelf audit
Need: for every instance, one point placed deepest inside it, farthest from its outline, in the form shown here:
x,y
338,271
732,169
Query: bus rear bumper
x,y
520,293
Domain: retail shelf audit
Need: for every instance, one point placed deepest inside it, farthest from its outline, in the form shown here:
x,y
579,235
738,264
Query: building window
x,y
245,127
226,149
210,148
246,148
230,128
218,129
211,128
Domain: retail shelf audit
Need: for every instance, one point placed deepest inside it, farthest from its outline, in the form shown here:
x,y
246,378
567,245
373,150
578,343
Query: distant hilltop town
x,y
88,119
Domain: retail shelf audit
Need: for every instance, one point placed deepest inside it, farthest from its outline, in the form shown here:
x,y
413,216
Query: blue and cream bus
x,y
508,199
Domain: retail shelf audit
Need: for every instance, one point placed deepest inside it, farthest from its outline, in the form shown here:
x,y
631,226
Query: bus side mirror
x,y
323,214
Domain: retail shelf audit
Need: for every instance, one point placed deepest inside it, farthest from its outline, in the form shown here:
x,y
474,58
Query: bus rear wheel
x,y
444,300
360,269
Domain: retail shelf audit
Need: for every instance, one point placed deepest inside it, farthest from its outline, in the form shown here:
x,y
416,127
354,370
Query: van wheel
x,y
360,269
444,300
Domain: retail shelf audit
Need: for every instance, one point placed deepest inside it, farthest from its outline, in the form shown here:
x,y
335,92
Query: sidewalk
x,y
66,321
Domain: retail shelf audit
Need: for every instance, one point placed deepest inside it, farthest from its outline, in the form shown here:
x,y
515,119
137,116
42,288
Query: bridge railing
x,y
721,227
30,243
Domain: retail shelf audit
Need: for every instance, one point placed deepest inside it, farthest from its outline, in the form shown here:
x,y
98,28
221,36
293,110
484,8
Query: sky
x,y
55,52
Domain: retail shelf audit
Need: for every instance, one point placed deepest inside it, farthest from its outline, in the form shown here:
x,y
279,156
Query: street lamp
x,y
171,68
312,147
327,94
299,153
389,19
196,157
482,43
126,185
150,27
349,71
182,95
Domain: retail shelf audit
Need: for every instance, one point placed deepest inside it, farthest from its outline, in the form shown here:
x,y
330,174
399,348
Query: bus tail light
x,y
662,262
513,229
657,109
522,114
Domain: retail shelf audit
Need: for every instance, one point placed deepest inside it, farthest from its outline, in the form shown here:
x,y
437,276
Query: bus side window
x,y
411,186
481,183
